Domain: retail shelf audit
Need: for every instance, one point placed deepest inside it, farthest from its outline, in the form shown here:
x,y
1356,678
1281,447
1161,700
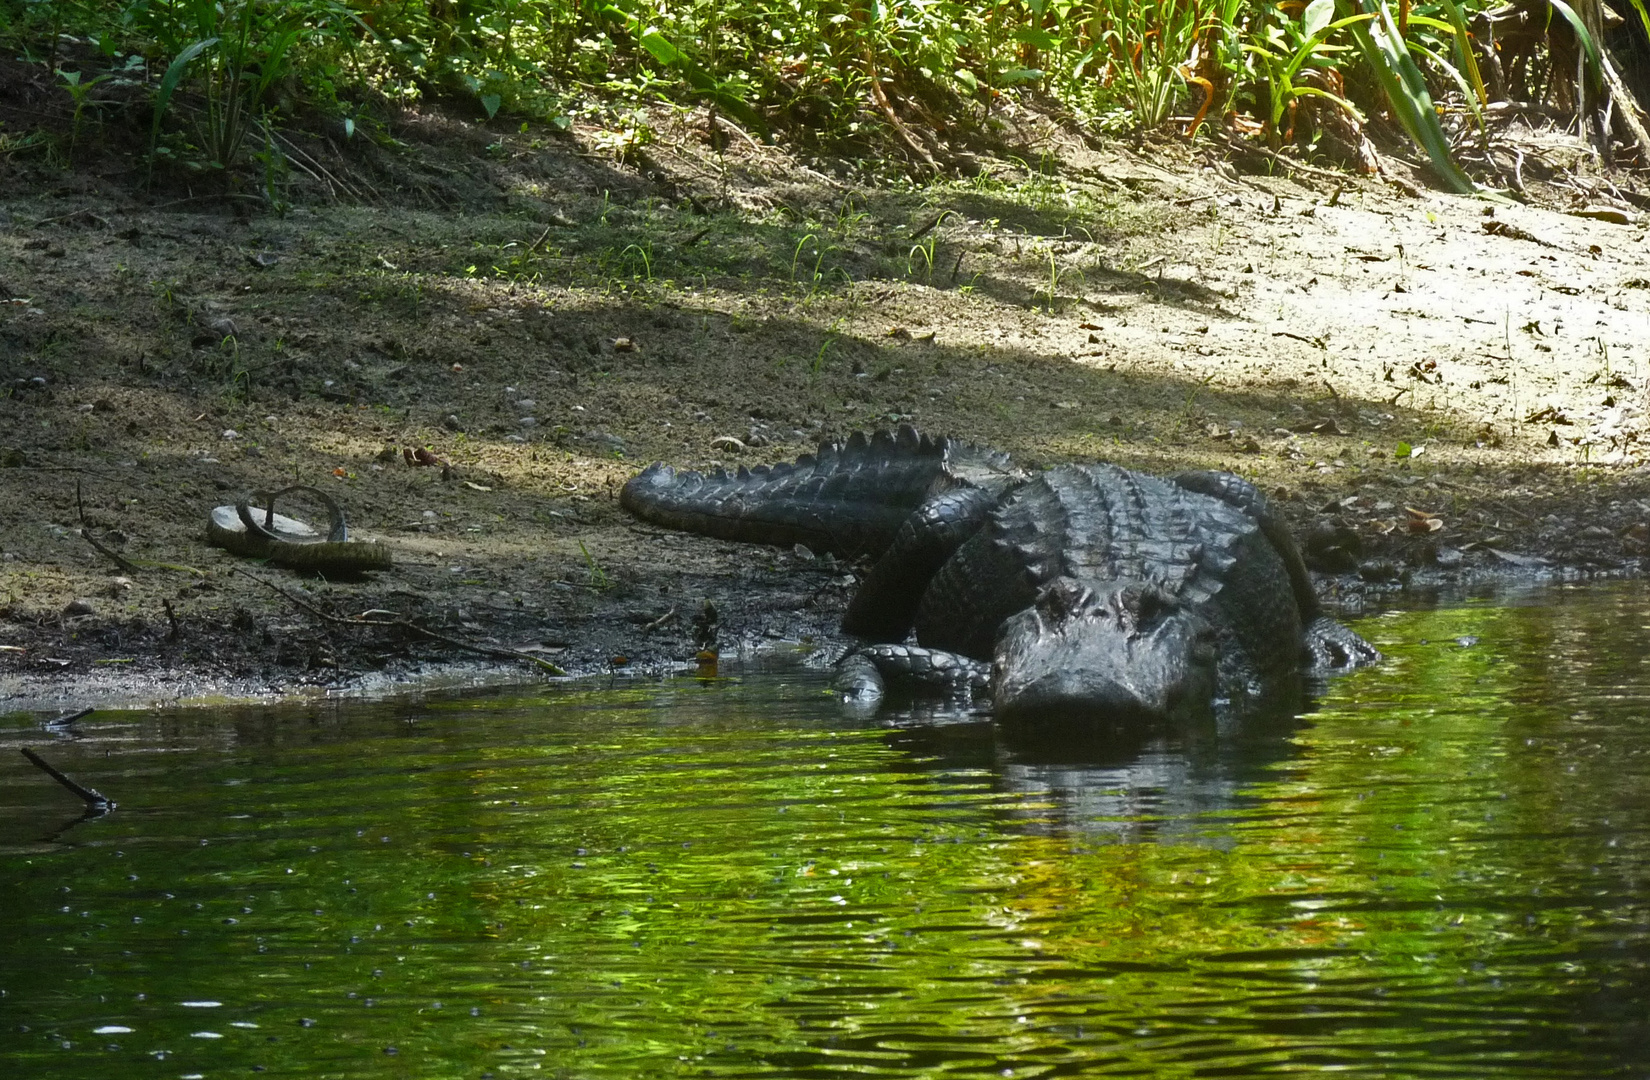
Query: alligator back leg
x,y
1328,644
850,498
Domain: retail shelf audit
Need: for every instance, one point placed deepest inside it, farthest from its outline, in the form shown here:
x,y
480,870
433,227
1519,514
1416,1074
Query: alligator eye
x,y
1154,605
1060,599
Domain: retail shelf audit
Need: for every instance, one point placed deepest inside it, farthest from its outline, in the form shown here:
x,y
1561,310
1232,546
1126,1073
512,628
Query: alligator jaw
x,y
1107,660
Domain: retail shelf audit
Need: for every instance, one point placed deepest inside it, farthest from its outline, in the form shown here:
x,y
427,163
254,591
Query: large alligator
x,y
1086,590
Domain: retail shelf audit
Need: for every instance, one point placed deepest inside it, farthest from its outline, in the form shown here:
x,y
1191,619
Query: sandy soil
x,y
1434,387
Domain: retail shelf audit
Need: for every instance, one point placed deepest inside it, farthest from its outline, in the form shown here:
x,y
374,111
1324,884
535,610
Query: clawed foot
x,y
1332,647
862,674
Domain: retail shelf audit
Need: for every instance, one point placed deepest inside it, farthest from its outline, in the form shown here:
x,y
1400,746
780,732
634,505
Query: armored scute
x,y
1086,591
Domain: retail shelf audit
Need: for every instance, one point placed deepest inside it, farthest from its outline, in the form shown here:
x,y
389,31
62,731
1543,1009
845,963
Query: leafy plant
x,y
598,577
1288,46
1388,57
237,50
80,92
1056,275
1140,51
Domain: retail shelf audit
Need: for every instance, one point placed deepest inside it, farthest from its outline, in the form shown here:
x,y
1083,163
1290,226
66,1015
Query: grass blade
x,y
168,84
1406,90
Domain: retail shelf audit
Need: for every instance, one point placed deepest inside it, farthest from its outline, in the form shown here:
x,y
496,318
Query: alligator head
x,y
1128,653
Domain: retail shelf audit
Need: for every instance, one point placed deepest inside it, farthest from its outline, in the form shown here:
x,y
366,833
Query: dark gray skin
x,y
1089,592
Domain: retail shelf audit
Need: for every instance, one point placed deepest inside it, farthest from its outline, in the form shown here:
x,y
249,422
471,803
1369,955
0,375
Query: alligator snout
x,y
1126,655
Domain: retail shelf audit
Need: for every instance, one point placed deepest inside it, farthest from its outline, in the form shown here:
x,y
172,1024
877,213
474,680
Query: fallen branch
x,y
86,211
1626,114
95,801
1239,147
86,534
412,627
60,722
660,621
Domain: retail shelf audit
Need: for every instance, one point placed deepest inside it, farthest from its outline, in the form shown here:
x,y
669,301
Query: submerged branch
x,y
95,801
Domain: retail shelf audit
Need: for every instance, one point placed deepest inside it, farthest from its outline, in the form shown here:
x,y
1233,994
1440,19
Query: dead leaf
x,y
624,344
1515,559
1552,414
473,486
727,442
1512,232
1614,215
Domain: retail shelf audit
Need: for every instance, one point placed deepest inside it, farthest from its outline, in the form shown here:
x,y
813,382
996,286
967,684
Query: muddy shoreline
x,y
1445,391
769,603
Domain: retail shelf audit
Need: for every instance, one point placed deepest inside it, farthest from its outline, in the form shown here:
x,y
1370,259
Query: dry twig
x,y
410,626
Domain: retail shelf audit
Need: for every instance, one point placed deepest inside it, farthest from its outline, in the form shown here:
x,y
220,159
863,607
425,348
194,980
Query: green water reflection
x,y
1439,872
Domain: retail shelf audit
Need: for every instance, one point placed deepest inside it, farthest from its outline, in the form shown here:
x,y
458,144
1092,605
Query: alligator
x,y
1080,592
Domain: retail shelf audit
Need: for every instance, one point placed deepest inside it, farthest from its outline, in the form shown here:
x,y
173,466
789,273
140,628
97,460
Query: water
x,y
1440,871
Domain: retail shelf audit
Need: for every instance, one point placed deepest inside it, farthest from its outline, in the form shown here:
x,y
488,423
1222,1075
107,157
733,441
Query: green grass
x,y
858,76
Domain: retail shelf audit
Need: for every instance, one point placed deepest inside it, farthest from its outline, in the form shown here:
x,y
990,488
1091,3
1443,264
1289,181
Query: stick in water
x,y
94,800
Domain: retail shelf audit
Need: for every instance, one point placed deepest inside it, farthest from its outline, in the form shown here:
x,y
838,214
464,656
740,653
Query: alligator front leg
x,y
886,604
865,674
1329,646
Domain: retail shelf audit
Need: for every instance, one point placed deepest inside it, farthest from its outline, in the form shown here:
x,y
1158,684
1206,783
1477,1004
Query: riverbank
x,y
1432,387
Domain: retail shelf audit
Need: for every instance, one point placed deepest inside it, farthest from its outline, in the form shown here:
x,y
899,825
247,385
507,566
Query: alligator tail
x,y
849,498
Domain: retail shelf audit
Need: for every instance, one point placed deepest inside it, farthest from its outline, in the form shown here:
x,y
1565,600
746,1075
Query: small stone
x,y
231,433
77,607
451,422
